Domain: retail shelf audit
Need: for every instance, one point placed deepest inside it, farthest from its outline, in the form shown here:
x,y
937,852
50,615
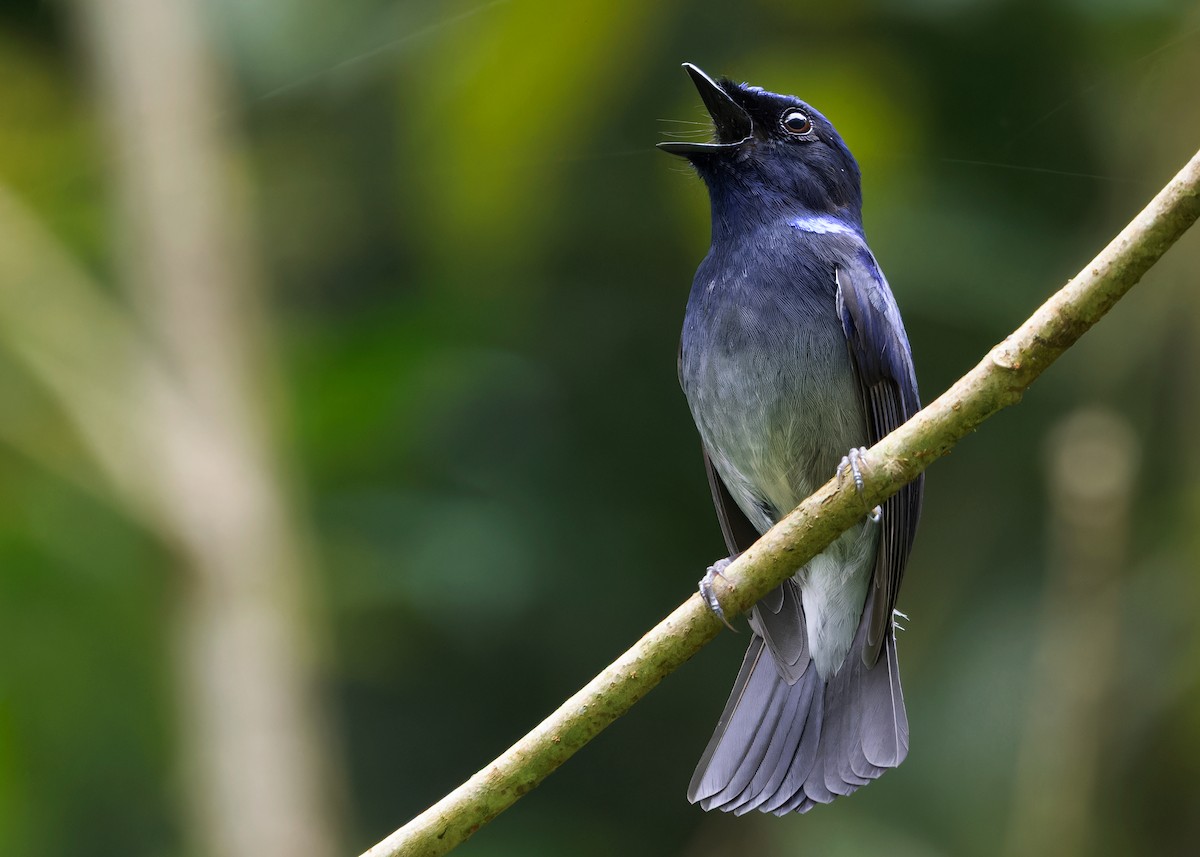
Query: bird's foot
x,y
852,461
706,589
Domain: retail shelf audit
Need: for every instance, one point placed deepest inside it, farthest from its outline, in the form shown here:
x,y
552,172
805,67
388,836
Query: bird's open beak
x,y
732,123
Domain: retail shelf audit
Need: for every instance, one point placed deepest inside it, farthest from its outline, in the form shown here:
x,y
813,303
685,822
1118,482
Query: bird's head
x,y
771,152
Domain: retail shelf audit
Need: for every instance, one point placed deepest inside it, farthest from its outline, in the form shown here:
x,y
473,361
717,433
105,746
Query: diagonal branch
x,y
999,380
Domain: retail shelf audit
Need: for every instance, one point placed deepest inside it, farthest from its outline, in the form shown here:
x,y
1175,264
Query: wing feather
x,y
882,362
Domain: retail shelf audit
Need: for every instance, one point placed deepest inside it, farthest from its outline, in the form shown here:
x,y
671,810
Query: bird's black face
x,y
774,146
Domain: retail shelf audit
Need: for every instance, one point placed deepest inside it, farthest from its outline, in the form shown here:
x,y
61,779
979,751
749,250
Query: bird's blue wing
x,y
739,533
883,363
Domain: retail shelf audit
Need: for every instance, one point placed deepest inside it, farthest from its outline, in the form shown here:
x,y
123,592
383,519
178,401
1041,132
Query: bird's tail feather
x,y
782,747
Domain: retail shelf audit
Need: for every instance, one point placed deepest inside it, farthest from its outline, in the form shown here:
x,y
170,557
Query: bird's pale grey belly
x,y
777,406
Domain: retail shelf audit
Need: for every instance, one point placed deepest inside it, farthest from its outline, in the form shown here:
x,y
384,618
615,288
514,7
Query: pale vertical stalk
x,y
252,734
1092,465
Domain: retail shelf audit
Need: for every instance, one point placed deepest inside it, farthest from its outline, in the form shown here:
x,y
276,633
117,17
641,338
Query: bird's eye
x,y
795,122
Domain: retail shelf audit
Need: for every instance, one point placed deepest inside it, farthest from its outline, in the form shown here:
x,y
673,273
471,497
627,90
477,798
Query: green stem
x,y
999,380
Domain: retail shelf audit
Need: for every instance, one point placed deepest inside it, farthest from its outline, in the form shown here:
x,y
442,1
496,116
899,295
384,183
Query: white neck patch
x,y
823,224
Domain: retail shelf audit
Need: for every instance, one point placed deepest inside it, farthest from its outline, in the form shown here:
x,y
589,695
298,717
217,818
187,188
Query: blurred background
x,y
340,438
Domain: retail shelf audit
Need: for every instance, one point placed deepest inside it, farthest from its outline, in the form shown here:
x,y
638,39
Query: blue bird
x,y
793,357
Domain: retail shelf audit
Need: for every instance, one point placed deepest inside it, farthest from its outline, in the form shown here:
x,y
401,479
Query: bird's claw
x,y
852,461
706,589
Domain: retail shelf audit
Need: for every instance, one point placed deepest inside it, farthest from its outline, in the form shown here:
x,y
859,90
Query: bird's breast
x,y
767,375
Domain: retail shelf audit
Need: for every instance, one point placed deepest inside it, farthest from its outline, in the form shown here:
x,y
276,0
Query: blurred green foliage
x,y
478,265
